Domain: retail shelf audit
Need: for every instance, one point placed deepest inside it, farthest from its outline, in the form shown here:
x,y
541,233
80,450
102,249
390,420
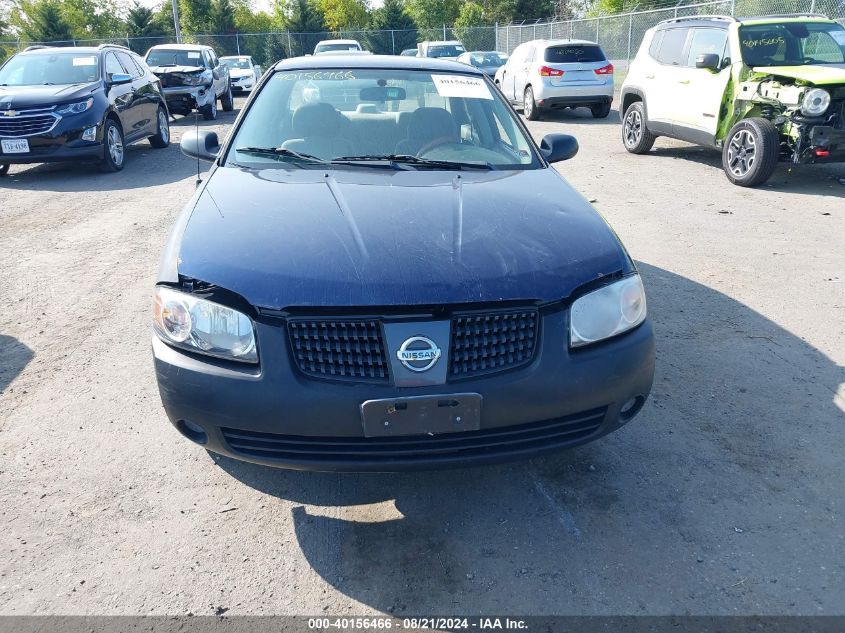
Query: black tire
x,y
751,152
529,106
600,110
114,149
4,169
635,133
209,112
227,100
162,139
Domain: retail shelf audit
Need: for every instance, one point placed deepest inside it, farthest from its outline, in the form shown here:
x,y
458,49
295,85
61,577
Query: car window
x,y
128,64
54,68
792,43
705,42
654,48
530,54
174,57
672,47
113,66
570,53
376,112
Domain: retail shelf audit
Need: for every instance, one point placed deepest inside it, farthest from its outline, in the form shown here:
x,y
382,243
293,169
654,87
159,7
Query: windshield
x,y
334,114
449,50
165,57
573,53
322,48
487,59
792,44
242,63
54,69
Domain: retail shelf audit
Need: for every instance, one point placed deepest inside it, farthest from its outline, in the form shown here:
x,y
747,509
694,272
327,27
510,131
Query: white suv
x,y
545,74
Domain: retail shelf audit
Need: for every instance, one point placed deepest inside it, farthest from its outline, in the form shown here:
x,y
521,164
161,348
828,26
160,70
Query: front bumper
x,y
183,99
242,85
61,144
275,415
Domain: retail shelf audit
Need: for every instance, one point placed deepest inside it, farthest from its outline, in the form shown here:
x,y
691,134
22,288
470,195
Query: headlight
x,y
76,108
607,311
203,326
815,102
196,80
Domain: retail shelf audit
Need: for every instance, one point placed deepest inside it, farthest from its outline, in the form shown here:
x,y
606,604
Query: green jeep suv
x,y
761,90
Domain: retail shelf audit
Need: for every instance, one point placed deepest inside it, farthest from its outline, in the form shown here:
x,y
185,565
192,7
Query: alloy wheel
x,y
742,152
115,145
633,128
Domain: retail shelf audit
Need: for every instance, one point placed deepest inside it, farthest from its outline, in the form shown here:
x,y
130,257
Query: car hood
x,y
166,70
32,96
820,75
364,237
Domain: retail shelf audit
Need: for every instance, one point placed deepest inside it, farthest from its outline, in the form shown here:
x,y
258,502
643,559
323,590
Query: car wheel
x,y
114,152
529,106
751,152
227,100
4,169
635,133
209,112
600,110
162,139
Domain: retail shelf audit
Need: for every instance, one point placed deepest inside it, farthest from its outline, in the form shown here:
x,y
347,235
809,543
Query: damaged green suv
x,y
761,90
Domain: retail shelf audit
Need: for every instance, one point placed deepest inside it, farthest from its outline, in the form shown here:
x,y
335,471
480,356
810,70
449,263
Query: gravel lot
x,y
724,497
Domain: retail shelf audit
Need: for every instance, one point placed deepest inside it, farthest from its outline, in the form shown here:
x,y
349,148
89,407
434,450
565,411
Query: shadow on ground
x,y
14,356
579,116
721,497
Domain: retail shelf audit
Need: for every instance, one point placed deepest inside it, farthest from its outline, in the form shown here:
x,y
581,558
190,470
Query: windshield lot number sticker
x,y
461,86
84,61
193,55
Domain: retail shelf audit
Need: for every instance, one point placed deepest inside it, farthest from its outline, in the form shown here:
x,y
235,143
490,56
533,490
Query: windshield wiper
x,y
281,153
407,159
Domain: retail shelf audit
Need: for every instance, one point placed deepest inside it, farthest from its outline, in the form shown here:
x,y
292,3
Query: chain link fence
x,y
619,35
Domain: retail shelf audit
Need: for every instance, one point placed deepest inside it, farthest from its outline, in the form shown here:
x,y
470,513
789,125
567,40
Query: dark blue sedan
x,y
383,272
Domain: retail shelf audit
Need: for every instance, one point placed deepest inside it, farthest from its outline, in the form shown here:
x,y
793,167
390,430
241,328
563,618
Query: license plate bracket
x,y
422,415
14,146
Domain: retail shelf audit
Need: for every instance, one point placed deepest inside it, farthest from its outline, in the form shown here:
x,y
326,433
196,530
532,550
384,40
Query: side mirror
x,y
117,79
558,147
710,61
200,144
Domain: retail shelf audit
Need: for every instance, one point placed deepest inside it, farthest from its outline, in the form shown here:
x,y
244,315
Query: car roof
x,y
338,42
87,50
180,47
236,57
389,62
780,19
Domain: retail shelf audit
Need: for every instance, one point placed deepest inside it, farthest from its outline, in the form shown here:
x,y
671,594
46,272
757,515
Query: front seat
x,y
319,130
427,128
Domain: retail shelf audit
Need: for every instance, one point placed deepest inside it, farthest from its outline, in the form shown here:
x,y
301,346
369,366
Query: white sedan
x,y
243,72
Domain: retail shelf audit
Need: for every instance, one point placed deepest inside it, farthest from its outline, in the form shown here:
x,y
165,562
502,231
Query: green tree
x,y
275,49
195,16
433,14
222,19
472,27
303,18
391,16
41,21
343,14
145,27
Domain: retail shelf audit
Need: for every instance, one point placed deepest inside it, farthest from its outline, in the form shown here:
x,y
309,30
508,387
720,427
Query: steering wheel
x,y
437,142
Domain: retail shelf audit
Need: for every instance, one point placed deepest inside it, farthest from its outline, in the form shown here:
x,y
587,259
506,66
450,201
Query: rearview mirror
x,y
200,144
117,79
710,61
382,93
558,147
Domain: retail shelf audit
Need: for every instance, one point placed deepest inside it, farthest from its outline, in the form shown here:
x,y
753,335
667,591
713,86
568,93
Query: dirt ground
x,y
723,497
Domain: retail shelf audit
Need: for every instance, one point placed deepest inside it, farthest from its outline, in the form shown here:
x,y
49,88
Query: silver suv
x,y
545,74
192,77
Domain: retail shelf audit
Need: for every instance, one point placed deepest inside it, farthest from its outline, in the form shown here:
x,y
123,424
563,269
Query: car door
x,y
144,104
522,72
702,93
121,95
508,71
667,78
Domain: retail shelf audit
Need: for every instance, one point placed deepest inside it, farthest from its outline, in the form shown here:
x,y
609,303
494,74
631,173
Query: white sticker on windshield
x,y
193,55
839,36
461,86
84,61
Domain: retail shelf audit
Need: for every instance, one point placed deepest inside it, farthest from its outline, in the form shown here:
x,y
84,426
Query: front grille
x,y
486,343
548,434
23,125
341,349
